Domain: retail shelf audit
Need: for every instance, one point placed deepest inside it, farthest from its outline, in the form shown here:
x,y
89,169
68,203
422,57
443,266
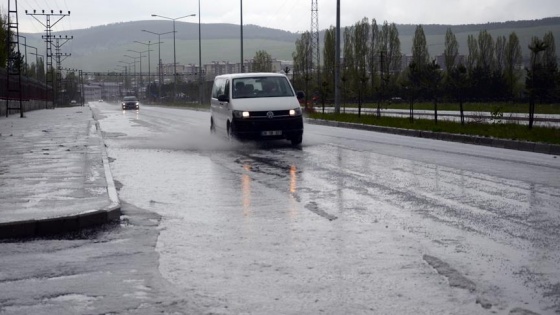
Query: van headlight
x,y
240,114
295,112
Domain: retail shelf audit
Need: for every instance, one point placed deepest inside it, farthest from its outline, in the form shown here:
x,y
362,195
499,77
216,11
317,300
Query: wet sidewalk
x,y
54,173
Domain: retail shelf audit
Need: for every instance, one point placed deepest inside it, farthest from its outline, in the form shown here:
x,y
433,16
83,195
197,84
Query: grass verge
x,y
504,107
508,131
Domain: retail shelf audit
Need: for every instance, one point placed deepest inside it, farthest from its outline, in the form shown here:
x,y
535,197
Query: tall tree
x,y
348,64
262,62
395,55
512,63
433,75
373,59
472,58
302,63
361,52
535,78
499,87
384,62
41,70
451,50
458,79
329,61
481,65
550,61
71,86
486,51
450,55
3,39
390,57
500,54
420,55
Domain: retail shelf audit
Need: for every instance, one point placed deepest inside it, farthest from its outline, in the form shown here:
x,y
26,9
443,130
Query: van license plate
x,y
271,133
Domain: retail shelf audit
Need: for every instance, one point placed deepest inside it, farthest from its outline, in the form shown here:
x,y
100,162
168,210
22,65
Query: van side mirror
x,y
300,95
223,98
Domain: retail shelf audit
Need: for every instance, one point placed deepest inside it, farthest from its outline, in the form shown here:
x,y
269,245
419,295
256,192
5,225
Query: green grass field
x,y
509,131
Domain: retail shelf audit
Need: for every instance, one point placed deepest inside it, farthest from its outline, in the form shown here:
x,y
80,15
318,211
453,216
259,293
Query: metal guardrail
x,y
546,120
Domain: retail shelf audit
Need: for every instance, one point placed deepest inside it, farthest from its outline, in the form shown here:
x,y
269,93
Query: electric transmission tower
x,y
315,54
13,71
49,42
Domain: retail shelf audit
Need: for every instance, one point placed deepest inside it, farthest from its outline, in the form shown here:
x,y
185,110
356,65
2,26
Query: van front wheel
x,y
296,140
212,127
230,131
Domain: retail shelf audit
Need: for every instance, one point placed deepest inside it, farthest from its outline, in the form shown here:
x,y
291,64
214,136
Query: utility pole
x,y
81,86
59,59
337,61
200,87
242,66
48,40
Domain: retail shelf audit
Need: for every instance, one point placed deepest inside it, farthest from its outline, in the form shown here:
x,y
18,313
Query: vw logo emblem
x,y
270,115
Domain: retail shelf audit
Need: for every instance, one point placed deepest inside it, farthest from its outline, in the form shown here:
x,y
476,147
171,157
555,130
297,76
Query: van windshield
x,y
253,87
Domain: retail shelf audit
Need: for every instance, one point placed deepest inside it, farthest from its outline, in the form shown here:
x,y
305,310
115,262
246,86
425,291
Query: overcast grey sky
x,y
290,15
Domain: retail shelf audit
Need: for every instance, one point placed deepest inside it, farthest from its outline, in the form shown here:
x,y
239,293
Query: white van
x,y
256,106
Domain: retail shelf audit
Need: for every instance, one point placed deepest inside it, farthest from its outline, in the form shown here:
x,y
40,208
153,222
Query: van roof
x,y
251,74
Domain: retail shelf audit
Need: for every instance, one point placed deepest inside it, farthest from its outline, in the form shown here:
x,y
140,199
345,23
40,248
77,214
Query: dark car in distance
x,y
130,102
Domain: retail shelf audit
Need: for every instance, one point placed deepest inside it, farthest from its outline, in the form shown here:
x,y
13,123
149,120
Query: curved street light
x,y
160,72
149,43
135,73
140,56
174,50
126,72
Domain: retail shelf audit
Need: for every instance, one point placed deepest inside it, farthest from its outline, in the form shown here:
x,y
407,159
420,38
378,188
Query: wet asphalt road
x,y
352,222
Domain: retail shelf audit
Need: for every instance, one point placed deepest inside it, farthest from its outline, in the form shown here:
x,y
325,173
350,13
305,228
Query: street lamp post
x,y
140,56
200,89
126,73
25,52
149,60
160,73
135,73
36,61
37,71
121,79
174,50
241,35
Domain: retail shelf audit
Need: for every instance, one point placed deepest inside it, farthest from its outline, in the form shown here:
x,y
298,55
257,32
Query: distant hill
x,y
100,48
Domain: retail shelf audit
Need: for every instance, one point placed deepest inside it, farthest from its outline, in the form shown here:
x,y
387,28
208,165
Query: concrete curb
x,y
86,219
552,149
114,208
